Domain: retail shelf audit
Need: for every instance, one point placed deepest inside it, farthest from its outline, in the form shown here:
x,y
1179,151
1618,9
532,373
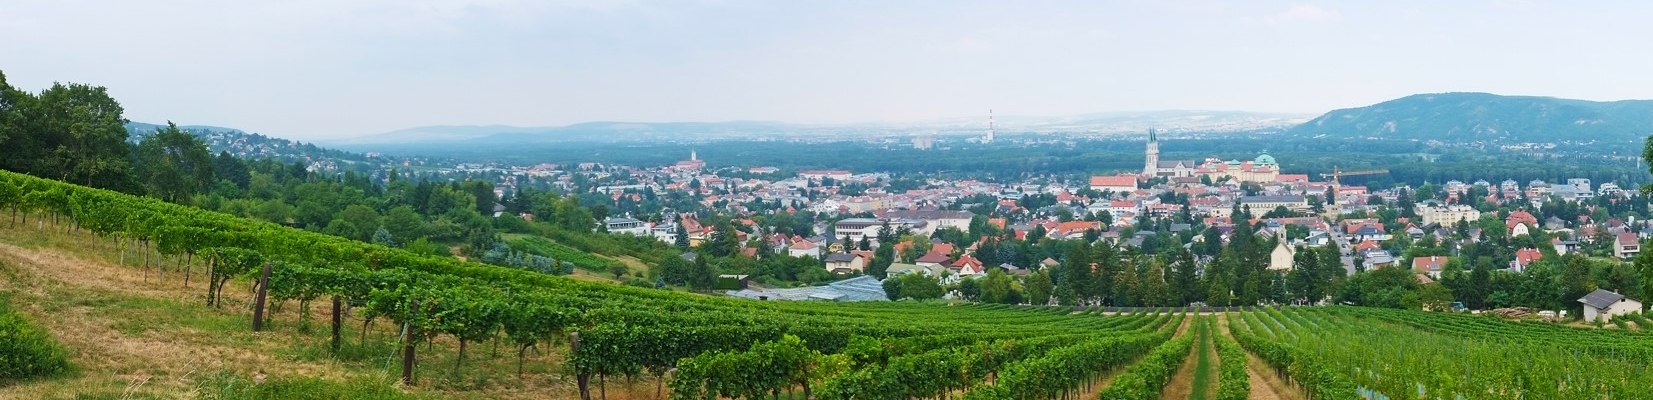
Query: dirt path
x,y
1265,383
1107,378
1181,385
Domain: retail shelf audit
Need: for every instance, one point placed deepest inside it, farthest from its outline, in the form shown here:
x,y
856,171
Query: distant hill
x,y
611,131
256,146
1489,117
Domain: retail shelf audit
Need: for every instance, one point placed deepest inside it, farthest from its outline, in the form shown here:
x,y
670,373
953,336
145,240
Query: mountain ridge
x,y
1485,116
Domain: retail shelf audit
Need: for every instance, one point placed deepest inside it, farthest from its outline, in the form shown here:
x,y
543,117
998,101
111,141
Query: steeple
x,y
692,156
1150,167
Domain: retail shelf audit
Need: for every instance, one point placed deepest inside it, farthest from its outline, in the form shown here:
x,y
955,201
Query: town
x,y
961,233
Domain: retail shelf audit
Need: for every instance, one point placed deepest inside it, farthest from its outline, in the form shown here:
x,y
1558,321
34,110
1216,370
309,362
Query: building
x,y
897,269
1431,265
693,164
626,226
834,174
1282,257
1263,169
1628,245
1448,215
804,248
1602,305
1525,257
928,221
1263,204
845,263
1154,168
856,228
1116,184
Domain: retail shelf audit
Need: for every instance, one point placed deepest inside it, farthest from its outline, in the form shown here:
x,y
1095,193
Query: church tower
x,y
1151,168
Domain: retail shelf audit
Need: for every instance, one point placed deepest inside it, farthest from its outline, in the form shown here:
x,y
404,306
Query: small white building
x,y
1604,305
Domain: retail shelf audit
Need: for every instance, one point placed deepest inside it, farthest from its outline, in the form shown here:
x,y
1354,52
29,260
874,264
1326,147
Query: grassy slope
x,y
132,335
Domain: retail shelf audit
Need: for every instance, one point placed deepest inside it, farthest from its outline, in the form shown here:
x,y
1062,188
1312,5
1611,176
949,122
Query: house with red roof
x,y
1116,183
967,266
1627,246
1430,265
1525,257
933,258
1520,223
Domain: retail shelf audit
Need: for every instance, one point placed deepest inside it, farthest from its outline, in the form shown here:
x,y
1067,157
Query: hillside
x,y
248,145
1486,117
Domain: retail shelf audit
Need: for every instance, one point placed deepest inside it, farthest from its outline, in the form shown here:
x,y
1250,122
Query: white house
x,y
626,226
1604,305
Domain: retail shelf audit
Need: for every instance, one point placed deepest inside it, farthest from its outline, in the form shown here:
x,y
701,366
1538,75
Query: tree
x,y
1480,285
725,241
618,270
892,288
1039,287
681,239
1435,297
404,223
1644,264
920,287
230,169
675,270
383,237
701,277
173,164
1185,281
881,260
1076,273
79,136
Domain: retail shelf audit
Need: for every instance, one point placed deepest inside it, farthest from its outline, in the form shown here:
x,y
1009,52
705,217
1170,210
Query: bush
x,y
546,248
26,351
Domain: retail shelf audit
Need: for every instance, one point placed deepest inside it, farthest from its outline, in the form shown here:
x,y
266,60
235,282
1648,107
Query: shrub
x,y
27,351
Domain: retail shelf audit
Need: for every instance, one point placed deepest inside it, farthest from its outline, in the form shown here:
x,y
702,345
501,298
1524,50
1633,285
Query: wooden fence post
x,y
408,348
338,310
263,292
580,378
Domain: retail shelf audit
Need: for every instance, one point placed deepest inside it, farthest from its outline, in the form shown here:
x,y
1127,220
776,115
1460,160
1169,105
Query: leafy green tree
x,y
79,137
1644,264
920,287
881,260
892,288
724,242
404,223
1039,287
174,165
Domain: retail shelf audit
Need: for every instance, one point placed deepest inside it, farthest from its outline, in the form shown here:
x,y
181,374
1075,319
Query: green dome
x,y
1264,159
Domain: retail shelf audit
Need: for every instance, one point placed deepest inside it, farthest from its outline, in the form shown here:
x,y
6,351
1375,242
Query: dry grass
x,y
132,335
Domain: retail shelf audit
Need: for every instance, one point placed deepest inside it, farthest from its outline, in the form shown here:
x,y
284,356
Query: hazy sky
x,y
318,69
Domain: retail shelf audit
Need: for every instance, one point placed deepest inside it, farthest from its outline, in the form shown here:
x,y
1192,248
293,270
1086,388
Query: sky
x,y
327,69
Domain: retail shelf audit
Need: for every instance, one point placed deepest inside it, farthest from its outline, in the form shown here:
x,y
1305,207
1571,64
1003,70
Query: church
x,y
1155,168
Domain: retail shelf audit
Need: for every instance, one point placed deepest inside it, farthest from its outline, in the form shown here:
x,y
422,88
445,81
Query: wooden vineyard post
x,y
407,347
338,308
581,378
263,292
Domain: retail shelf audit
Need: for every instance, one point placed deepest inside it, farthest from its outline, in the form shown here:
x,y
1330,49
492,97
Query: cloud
x,y
1304,13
